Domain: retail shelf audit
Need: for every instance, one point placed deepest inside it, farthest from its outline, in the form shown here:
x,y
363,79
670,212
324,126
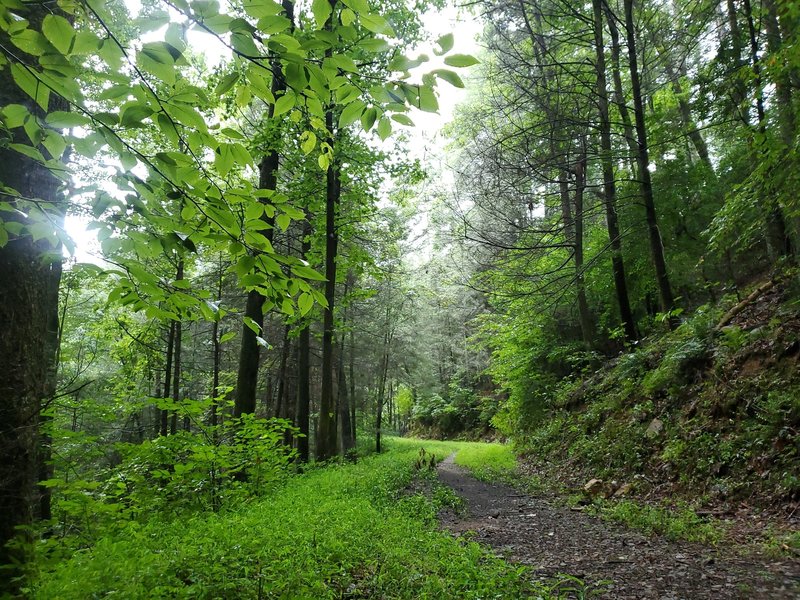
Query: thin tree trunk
x,y
587,326
609,184
303,371
643,160
168,377
351,368
281,397
619,93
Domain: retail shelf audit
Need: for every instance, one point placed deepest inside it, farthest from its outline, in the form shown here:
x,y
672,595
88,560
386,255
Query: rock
x,y
593,487
655,428
623,490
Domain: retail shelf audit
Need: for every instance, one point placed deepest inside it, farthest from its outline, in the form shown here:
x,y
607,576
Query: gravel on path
x,y
612,560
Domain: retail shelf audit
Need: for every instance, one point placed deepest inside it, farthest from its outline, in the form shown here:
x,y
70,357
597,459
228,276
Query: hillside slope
x,y
706,414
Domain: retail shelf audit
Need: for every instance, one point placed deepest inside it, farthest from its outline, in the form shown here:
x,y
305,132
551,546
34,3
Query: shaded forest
x,y
599,266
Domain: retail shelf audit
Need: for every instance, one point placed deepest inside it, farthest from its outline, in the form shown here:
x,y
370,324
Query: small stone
x,y
655,428
623,490
593,487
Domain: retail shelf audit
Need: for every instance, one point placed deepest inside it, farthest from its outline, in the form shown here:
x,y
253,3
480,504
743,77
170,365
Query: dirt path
x,y
553,539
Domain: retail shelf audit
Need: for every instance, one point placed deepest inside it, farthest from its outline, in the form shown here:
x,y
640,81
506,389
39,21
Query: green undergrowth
x,y
341,531
489,462
680,523
706,415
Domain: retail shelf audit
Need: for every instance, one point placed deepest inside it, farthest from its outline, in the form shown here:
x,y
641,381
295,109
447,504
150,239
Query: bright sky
x,y
425,141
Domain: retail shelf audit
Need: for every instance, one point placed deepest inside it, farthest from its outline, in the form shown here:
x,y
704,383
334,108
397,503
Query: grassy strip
x,y
675,524
488,462
340,531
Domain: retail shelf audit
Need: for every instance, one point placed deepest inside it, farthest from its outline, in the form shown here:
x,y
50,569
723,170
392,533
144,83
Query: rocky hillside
x,y
706,414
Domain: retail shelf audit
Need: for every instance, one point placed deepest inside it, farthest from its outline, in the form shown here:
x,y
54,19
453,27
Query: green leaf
x,y
307,273
403,119
460,60
450,77
360,6
58,32
30,41
427,99
252,325
226,83
351,113
227,337
344,62
322,11
243,44
261,8
375,24
374,44
445,44
308,141
14,115
64,120
133,113
284,104
305,302
28,83
368,118
347,17
283,221
384,128
273,24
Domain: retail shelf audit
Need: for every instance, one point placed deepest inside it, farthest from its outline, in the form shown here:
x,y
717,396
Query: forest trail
x,y
611,560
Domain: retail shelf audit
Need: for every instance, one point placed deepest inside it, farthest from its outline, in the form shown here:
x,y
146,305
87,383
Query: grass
x,y
489,462
676,524
347,530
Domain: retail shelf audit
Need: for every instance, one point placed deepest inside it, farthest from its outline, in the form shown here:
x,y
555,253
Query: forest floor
x,y
603,559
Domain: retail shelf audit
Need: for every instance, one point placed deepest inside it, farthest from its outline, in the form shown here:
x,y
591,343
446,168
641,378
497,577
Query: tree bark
x,y
326,428
30,273
643,161
250,352
609,184
302,413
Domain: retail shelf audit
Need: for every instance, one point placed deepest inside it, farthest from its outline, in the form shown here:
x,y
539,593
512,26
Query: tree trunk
x,y
643,161
249,353
30,273
326,428
609,184
167,377
351,368
302,414
619,93
585,315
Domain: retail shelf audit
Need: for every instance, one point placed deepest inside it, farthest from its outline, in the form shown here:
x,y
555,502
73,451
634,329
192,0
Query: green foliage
x,y
681,523
349,529
489,462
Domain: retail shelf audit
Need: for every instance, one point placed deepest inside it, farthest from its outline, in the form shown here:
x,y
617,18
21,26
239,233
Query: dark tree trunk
x,y
249,353
609,184
281,397
775,234
168,377
326,428
303,394
587,326
303,411
619,93
643,161
30,274
351,369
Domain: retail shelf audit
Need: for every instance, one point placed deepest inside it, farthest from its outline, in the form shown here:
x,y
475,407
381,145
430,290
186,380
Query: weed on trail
x,y
342,531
